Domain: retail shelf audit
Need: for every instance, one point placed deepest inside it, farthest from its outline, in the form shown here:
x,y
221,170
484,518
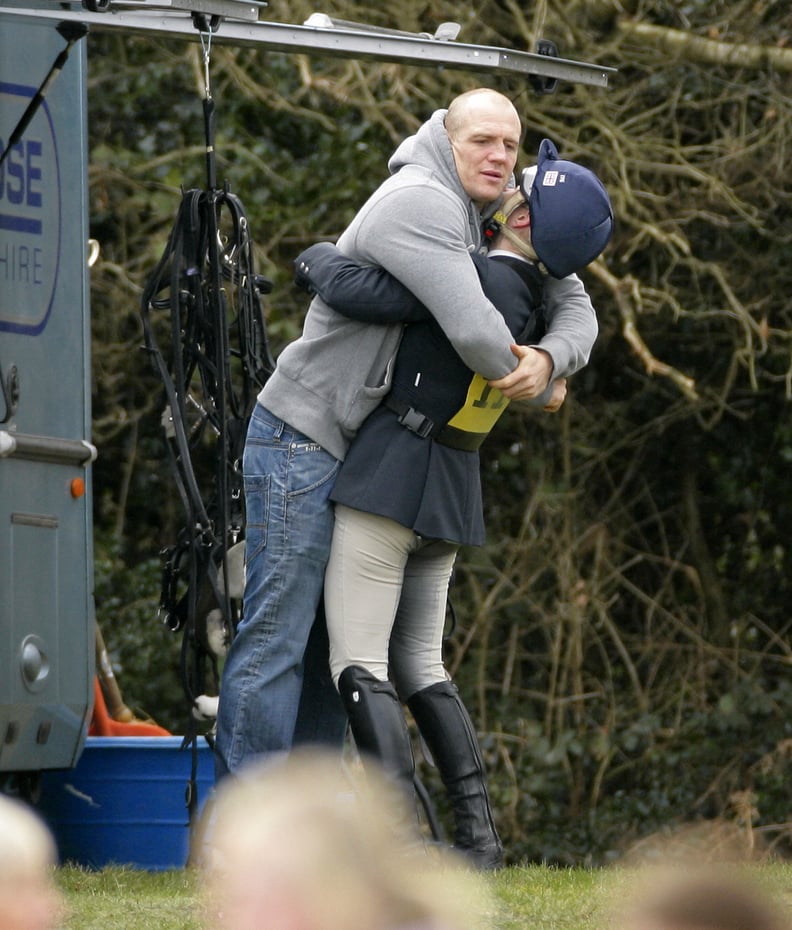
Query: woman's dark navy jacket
x,y
399,464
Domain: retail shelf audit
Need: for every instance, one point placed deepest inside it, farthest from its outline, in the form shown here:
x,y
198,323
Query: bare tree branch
x,y
708,51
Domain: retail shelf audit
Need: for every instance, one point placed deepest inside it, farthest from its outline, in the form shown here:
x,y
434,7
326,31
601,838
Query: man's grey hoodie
x,y
421,226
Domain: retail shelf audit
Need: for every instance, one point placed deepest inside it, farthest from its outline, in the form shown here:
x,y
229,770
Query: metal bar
x,y
236,9
46,449
338,43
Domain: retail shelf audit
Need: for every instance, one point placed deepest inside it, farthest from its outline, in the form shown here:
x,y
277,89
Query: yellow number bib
x,y
482,409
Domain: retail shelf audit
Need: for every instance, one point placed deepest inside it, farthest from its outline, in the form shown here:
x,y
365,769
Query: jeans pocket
x,y
257,505
311,468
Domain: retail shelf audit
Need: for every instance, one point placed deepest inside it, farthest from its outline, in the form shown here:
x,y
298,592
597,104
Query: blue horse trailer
x,y
46,609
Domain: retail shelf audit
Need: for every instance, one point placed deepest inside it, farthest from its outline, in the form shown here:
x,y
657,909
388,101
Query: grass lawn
x,y
535,897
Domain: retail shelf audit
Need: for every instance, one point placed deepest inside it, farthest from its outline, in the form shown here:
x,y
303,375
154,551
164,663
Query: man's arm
x,y
571,325
564,349
422,238
371,294
422,235
365,293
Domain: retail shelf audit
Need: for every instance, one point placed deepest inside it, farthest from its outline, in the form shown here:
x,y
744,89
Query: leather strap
x,y
426,428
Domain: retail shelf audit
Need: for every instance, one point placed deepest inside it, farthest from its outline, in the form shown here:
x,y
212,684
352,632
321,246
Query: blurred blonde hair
x,y
703,897
27,849
336,844
29,897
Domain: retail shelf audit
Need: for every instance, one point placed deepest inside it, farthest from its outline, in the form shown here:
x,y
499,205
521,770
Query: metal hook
x,y
206,45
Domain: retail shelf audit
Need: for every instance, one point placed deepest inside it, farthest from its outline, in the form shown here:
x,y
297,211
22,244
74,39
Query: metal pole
x,y
340,43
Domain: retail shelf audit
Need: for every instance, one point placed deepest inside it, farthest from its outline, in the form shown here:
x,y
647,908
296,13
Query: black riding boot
x,y
377,722
449,733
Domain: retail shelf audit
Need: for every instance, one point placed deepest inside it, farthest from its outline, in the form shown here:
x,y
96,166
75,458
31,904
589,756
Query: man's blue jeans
x,y
289,525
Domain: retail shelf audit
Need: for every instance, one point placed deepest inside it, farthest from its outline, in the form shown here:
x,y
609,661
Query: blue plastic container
x,y
125,802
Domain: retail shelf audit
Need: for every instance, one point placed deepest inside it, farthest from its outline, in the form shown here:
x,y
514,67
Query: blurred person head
x,y
699,898
300,844
29,899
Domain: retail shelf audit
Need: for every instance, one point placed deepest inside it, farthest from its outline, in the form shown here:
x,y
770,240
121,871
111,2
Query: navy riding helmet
x,y
571,213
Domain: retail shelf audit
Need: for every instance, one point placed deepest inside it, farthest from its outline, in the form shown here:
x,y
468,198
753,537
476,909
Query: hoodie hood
x,y
430,148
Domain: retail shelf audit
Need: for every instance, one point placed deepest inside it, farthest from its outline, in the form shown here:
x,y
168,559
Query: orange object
x,y
102,724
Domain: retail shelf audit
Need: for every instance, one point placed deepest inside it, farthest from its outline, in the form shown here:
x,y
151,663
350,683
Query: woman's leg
x,y
435,703
416,641
363,585
448,731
